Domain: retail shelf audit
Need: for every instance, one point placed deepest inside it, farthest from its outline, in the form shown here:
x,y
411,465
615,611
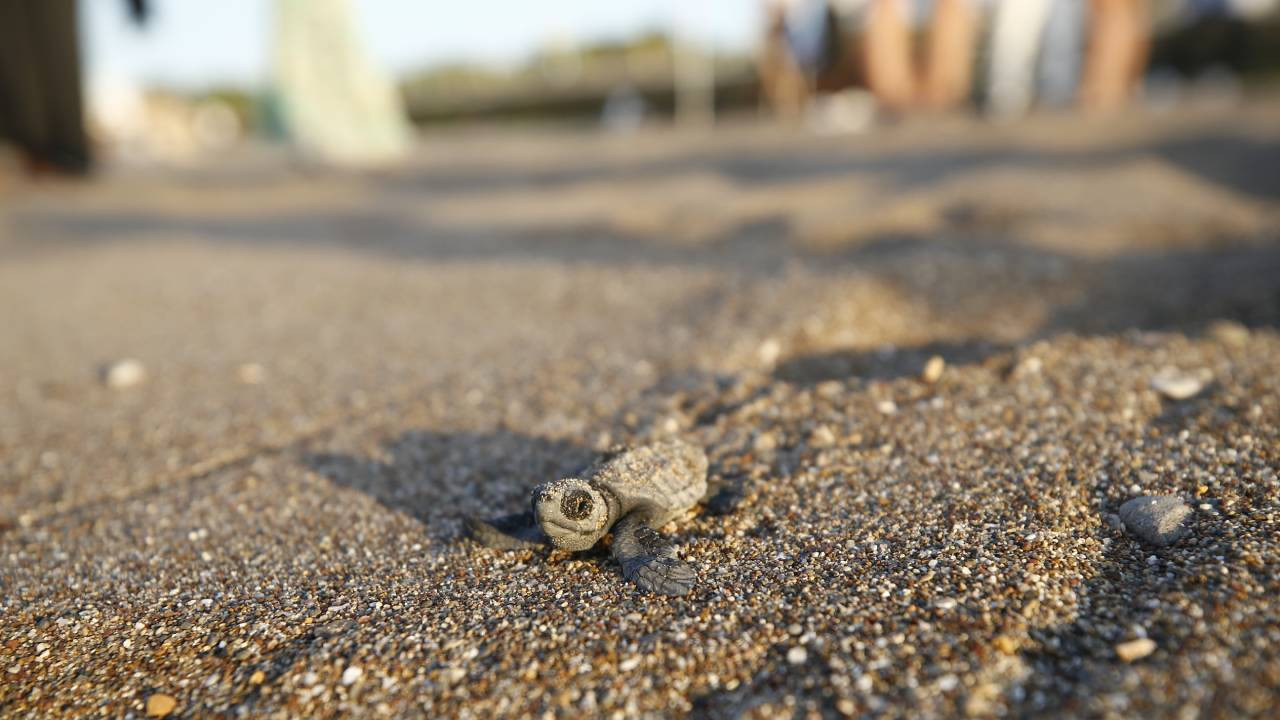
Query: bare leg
x,y
1119,36
887,45
948,71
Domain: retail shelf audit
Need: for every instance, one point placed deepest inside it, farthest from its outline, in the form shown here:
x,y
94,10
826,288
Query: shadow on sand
x,y
1163,290
1135,590
434,475
1237,163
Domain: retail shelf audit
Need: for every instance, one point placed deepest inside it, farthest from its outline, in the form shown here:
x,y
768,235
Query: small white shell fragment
x,y
769,351
251,373
1135,649
1178,385
124,373
933,369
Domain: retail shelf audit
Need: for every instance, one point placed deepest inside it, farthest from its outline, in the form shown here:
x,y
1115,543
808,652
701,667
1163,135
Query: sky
x,y
194,44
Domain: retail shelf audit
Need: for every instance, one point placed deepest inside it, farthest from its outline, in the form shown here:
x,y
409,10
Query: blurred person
x,y
801,42
890,72
945,78
1119,39
1249,10
1062,53
1037,49
331,100
1015,44
41,100
782,84
1207,38
948,70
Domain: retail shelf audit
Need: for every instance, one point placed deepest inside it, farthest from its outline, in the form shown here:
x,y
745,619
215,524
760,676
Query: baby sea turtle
x,y
633,492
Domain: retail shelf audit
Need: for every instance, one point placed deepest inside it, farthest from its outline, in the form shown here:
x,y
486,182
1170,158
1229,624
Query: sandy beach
x,y
936,358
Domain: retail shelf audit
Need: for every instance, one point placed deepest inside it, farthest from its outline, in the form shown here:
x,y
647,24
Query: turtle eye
x,y
576,505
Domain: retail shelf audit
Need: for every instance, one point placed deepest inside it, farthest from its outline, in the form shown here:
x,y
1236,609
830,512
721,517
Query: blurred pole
x,y
695,75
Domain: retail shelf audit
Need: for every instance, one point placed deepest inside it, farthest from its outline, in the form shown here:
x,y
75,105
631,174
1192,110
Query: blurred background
x,y
288,285
353,82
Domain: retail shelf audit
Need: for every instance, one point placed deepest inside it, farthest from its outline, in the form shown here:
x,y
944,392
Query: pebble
x,y
1229,332
1030,365
160,705
257,678
1179,385
124,373
1135,649
822,436
769,351
1156,519
765,442
933,369
797,655
980,703
351,675
251,373
887,407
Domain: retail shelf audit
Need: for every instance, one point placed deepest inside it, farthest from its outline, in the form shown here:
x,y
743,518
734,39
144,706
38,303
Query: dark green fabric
x,y
41,110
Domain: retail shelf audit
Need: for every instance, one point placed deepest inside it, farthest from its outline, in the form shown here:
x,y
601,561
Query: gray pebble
x,y
1156,519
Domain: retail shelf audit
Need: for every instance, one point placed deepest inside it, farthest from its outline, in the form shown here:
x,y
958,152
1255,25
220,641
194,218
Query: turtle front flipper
x,y
648,559
508,532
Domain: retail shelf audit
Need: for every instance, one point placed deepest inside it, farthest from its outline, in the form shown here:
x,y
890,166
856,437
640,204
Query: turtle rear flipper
x,y
648,559
508,532
723,496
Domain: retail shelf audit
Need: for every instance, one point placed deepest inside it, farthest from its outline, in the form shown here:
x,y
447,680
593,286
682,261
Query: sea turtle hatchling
x,y
633,492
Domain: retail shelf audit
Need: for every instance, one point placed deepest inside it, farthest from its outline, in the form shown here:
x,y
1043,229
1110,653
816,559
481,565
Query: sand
x,y
335,365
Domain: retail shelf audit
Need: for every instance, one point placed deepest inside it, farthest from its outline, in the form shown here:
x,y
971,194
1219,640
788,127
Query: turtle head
x,y
571,512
